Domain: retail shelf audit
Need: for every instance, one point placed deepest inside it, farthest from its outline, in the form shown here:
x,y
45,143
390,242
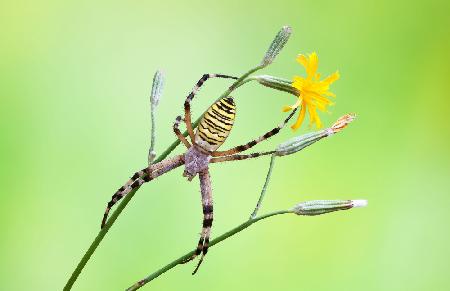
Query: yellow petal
x,y
314,117
291,107
312,65
320,98
331,78
328,93
298,83
300,117
302,61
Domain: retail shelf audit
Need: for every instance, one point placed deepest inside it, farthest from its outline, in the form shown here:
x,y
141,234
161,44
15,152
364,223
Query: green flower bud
x,y
277,45
317,207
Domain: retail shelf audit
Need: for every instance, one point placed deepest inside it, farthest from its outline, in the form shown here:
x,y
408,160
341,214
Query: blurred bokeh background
x,y
74,121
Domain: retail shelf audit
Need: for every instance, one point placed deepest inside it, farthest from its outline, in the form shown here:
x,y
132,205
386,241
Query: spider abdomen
x,y
216,124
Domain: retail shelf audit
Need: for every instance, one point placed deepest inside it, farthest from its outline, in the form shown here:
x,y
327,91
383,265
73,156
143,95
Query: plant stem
x,y
242,80
151,150
263,191
155,96
215,241
97,240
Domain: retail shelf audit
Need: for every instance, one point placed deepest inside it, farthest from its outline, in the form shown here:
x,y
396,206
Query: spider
x,y
212,131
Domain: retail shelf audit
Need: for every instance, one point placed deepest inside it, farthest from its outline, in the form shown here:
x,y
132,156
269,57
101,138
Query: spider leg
x,y
254,142
121,192
207,205
239,157
141,177
178,132
187,103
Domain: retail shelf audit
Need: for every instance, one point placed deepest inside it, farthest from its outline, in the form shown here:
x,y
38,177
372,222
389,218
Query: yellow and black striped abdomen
x,y
216,124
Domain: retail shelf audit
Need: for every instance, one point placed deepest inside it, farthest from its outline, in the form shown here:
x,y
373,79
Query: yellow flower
x,y
312,92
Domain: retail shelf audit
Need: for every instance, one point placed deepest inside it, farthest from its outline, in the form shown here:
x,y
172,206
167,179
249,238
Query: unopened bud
x,y
277,45
157,88
317,207
300,142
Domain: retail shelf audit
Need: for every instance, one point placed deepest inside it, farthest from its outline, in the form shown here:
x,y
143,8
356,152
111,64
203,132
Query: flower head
x,y
312,92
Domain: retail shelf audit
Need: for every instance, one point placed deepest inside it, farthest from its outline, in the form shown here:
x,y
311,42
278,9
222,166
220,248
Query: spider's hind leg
x,y
207,205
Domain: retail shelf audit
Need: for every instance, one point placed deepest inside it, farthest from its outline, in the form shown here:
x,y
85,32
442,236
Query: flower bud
x,y
300,142
157,88
317,207
277,45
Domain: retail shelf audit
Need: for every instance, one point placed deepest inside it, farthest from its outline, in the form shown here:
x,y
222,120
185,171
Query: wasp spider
x,y
212,131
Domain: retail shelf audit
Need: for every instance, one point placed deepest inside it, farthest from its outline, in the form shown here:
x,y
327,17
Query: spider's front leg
x,y
141,177
187,103
252,143
240,157
178,133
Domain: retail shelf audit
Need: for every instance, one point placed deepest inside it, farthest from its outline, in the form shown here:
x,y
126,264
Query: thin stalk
x,y
151,150
97,240
215,241
242,80
263,190
155,96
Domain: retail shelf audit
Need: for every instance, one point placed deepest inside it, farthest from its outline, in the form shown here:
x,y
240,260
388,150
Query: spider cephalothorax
x,y
195,161
213,129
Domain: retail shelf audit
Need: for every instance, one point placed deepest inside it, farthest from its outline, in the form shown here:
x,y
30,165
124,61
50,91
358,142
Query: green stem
x,y
97,240
263,191
242,80
151,150
215,241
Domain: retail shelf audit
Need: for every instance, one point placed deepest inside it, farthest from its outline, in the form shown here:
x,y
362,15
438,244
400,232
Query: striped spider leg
x,y
142,176
145,175
230,155
251,144
207,206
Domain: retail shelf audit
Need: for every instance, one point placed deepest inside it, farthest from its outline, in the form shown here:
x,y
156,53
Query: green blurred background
x,y
74,120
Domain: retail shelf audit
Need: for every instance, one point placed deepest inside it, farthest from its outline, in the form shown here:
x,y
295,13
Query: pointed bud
x,y
277,45
300,142
157,88
317,207
155,97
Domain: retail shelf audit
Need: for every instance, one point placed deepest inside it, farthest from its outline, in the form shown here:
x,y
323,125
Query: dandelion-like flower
x,y
312,92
